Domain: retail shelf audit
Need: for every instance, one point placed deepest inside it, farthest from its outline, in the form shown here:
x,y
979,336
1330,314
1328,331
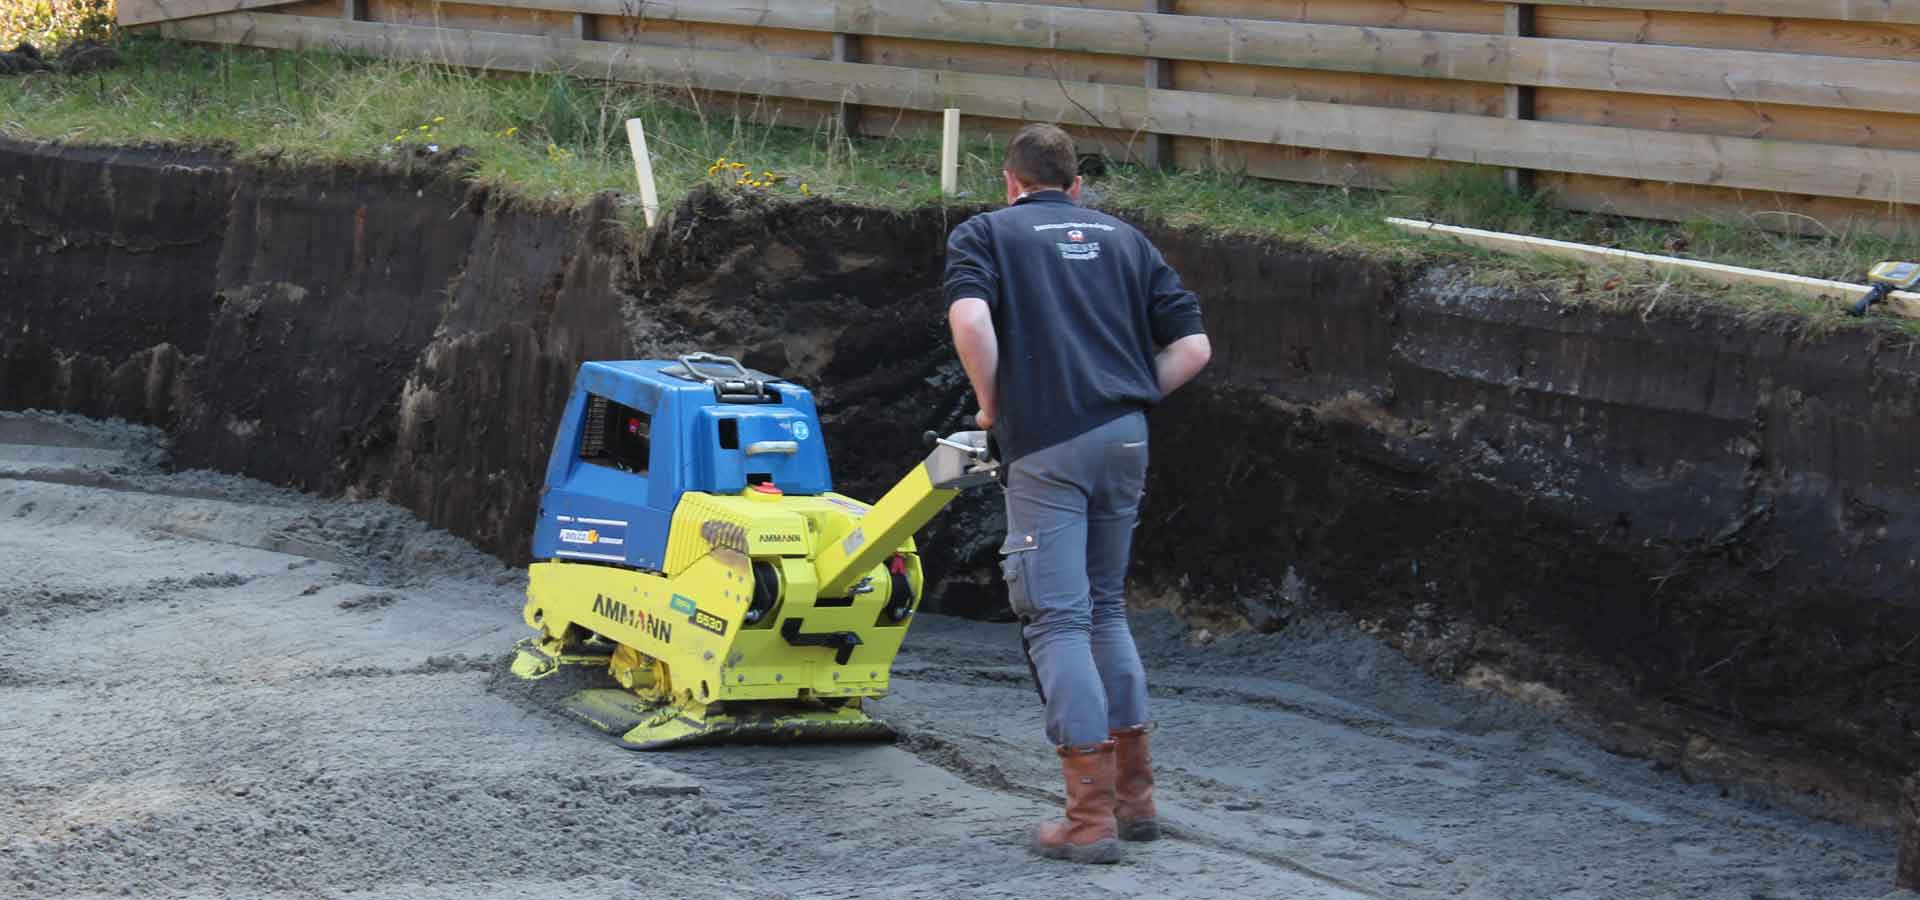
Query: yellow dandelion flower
x,y
399,137
438,119
805,190
513,130
424,127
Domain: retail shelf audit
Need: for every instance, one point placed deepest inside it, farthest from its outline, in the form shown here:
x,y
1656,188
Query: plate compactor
x,y
692,558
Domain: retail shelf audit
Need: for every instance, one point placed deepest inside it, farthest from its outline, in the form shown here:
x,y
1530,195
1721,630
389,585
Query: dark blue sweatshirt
x,y
1082,303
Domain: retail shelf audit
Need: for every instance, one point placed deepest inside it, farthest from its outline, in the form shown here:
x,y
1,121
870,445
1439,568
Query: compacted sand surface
x,y
211,687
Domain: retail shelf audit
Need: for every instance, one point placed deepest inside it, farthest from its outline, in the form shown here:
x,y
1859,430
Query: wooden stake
x,y
1908,874
643,169
950,153
1901,303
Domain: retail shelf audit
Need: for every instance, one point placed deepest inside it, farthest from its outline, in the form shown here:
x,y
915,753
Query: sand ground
x,y
211,687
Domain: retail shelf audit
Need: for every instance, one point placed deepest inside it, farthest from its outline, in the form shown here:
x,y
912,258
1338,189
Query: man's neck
x,y
1034,192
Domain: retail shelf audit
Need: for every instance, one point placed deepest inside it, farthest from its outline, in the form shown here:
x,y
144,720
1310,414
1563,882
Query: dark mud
x,y
1690,526
1909,863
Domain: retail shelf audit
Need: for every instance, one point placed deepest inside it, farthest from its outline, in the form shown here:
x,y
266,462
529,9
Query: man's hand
x,y
979,348
1179,361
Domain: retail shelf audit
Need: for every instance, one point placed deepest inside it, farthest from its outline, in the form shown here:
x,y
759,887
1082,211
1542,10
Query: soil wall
x,y
1692,527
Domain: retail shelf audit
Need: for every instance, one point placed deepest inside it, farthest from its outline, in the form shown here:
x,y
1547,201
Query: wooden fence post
x,y
1908,874
586,27
1158,151
1519,98
354,10
846,48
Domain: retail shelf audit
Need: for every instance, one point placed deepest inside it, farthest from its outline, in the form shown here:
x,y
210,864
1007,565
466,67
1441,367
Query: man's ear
x,y
1013,186
1073,193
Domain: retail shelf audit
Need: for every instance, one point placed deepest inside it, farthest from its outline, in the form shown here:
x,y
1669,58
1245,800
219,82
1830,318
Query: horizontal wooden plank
x,y
1901,302
1817,37
332,9
1329,167
1438,15
479,17
144,12
998,60
714,36
1438,95
1746,76
1849,127
1768,210
912,122
818,16
1874,174
1907,11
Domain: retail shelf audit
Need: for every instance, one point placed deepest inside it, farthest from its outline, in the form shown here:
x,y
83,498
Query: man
x,y
1070,326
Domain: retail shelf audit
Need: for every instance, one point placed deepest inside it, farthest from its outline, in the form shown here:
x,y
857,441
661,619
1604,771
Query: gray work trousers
x,y
1071,510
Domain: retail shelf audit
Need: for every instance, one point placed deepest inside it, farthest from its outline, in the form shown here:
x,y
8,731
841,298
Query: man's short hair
x,y
1041,156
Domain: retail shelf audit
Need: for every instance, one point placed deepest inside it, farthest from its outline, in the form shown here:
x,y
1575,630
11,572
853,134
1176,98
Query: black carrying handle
x,y
841,641
1876,295
691,359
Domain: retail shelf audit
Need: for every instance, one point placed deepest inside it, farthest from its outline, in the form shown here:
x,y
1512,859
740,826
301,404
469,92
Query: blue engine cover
x,y
634,438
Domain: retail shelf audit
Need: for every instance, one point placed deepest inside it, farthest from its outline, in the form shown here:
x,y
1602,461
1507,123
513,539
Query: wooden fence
x,y
1799,114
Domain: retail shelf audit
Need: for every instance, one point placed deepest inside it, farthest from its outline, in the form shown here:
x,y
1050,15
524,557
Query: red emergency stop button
x,y
766,487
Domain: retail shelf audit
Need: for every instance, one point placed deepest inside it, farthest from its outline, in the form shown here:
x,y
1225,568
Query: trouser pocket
x,y
1016,568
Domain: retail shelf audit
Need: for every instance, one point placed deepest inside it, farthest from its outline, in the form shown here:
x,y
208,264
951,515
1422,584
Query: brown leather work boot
x,y
1086,835
1133,786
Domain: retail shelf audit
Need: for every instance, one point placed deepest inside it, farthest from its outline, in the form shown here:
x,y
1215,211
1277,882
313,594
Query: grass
x,y
51,24
557,138
541,137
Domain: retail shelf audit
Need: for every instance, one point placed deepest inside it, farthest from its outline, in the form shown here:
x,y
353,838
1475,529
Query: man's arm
x,y
972,288
1179,361
979,349
1177,328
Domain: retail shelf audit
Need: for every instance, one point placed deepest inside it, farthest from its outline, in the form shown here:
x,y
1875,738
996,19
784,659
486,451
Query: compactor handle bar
x,y
980,453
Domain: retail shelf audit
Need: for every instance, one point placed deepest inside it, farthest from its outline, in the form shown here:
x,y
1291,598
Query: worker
x,y
1070,326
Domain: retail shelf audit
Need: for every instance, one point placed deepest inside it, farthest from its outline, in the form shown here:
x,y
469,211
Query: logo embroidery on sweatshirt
x,y
1082,251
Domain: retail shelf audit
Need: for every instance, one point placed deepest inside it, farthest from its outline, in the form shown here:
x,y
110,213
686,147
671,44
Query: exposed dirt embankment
x,y
1694,524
